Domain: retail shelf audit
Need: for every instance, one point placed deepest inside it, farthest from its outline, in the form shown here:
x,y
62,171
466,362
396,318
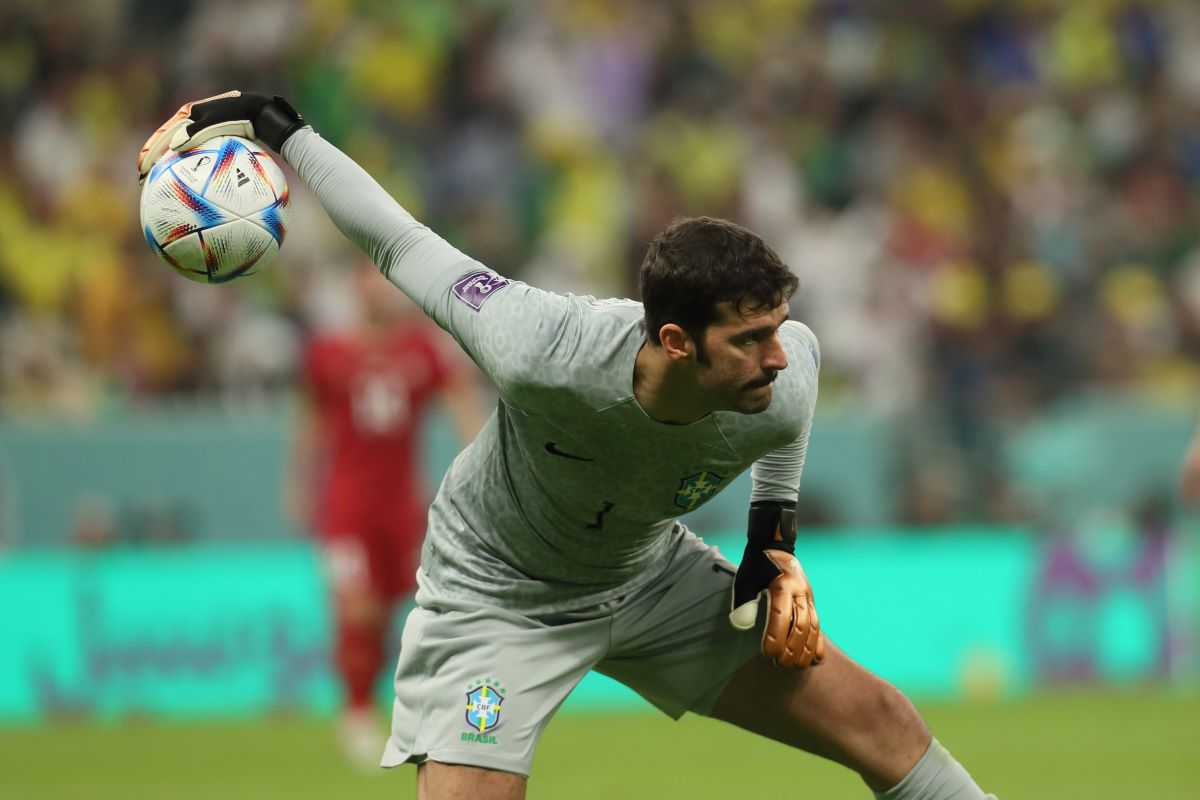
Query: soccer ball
x,y
217,212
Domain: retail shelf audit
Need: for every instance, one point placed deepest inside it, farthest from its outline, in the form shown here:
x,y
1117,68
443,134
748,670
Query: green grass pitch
x,y
1094,744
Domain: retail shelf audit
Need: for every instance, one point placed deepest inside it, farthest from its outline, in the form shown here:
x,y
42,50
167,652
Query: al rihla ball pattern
x,y
216,212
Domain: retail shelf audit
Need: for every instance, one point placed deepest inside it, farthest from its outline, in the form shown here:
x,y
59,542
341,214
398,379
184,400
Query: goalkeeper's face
x,y
741,357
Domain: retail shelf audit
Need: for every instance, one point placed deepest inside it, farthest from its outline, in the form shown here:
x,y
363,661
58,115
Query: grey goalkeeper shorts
x,y
477,685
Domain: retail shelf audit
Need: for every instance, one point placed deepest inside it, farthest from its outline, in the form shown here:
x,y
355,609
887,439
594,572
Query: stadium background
x,y
992,208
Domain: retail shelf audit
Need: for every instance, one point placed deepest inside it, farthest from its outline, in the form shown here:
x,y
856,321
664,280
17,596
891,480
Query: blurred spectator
x,y
990,204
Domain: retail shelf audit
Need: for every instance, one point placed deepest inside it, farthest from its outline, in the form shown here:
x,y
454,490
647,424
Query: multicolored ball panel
x,y
217,212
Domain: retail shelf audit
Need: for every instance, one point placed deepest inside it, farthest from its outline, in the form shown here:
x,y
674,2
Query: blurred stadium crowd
x,y
991,204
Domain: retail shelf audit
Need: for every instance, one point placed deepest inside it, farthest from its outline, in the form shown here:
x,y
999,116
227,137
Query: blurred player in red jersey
x,y
356,474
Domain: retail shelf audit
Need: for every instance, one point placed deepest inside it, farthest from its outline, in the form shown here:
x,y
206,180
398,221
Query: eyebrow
x,y
762,328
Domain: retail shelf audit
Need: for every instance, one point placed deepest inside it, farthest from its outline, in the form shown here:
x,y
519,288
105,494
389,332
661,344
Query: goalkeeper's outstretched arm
x,y
450,287
411,255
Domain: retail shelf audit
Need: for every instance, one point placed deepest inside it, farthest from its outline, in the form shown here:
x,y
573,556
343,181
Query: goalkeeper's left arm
x,y
792,632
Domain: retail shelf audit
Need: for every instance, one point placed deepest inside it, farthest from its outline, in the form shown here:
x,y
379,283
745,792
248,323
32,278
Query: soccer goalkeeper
x,y
553,546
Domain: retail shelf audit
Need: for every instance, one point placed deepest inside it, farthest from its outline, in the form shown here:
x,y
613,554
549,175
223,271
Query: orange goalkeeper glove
x,y
250,115
792,634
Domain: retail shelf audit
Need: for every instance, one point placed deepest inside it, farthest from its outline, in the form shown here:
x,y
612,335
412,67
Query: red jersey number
x,y
379,403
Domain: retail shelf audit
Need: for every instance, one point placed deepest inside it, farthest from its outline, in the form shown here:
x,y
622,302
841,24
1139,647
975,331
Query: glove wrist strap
x,y
772,525
276,122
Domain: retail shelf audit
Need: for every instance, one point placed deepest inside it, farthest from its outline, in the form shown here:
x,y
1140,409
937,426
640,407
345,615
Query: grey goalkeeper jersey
x,y
569,495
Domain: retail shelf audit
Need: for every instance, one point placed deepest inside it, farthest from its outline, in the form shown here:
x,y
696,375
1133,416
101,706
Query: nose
x,y
774,358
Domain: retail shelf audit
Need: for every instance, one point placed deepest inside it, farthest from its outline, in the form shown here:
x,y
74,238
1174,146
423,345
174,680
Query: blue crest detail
x,y
483,708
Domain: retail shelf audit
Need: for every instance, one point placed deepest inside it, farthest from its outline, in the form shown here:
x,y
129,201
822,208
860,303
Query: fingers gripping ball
x,y
267,118
792,633
216,212
160,140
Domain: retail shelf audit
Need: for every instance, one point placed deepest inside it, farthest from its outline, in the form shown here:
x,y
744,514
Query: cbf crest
x,y
694,490
483,705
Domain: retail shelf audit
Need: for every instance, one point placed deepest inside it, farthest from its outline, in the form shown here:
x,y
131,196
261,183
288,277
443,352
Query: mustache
x,y
765,380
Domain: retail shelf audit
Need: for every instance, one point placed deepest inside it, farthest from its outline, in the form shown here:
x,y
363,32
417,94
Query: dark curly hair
x,y
696,263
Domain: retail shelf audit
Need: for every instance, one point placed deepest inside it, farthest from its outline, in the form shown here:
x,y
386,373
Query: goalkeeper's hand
x,y
250,115
792,635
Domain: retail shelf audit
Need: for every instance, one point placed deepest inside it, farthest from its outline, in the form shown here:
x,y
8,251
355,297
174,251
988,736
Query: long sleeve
x,y
776,475
412,256
505,326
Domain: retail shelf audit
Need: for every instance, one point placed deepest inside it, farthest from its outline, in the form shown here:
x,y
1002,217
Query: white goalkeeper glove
x,y
269,119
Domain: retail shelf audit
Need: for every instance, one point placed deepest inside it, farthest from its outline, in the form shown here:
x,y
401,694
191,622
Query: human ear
x,y
676,342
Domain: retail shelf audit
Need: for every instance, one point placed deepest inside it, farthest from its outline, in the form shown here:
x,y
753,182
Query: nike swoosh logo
x,y
554,451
